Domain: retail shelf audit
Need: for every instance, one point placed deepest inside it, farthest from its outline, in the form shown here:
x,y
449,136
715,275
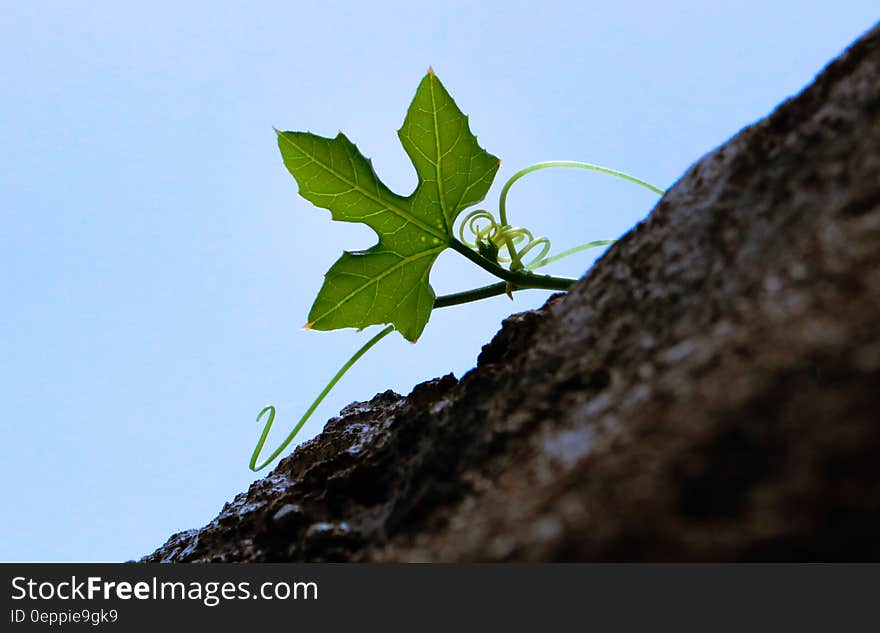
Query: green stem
x,y
483,292
339,374
518,279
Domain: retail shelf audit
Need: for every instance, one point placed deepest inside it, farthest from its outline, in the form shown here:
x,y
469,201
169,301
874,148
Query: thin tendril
x,y
551,164
506,238
271,410
571,251
501,237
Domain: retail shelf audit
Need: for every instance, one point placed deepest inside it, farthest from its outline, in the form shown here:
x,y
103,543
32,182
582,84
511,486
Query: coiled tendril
x,y
494,237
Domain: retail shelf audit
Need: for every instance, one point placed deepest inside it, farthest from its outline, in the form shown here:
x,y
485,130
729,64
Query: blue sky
x,y
158,264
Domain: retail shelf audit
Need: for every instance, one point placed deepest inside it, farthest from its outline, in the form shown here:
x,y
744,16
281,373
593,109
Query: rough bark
x,y
708,391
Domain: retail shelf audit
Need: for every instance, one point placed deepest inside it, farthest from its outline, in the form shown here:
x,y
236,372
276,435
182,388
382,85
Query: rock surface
x,y
709,391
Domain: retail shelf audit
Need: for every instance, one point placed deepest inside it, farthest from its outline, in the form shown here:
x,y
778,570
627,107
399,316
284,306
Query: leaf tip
x,y
430,71
307,326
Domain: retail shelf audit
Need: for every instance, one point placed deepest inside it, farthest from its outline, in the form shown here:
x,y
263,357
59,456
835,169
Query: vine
x,y
333,174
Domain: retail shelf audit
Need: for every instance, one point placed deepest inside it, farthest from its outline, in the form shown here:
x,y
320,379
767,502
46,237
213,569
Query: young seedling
x,y
387,284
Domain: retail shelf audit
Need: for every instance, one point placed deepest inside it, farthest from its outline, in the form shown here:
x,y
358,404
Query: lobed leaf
x,y
389,282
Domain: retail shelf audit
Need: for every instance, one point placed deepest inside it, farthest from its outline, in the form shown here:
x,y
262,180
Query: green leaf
x,y
388,283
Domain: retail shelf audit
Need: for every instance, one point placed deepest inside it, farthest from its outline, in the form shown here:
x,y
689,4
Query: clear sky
x,y
158,264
